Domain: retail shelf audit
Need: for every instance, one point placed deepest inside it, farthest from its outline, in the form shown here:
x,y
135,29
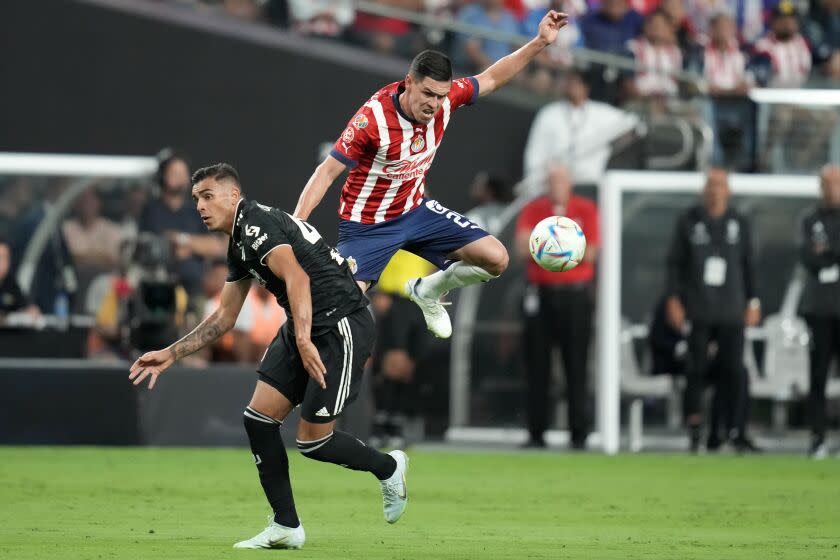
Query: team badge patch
x,y
418,144
351,262
348,135
360,121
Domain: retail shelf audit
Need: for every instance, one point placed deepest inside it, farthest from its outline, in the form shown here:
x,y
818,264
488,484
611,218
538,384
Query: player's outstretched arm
x,y
324,176
506,68
283,263
208,331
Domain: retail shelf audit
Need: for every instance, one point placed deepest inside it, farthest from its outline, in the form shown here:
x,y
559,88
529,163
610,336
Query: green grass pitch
x,y
91,503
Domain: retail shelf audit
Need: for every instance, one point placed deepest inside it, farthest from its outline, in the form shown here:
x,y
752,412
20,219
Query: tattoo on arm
x,y
207,332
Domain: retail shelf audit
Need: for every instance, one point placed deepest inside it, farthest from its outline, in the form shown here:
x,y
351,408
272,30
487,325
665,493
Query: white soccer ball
x,y
557,244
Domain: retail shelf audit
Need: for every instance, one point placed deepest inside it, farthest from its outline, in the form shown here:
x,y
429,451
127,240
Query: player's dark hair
x,y
431,64
5,241
217,171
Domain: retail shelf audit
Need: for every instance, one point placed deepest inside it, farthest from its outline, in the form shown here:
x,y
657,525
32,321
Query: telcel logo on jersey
x,y
259,241
408,169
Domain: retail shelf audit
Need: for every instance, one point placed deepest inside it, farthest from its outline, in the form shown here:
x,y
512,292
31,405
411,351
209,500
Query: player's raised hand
x,y
150,364
552,23
312,362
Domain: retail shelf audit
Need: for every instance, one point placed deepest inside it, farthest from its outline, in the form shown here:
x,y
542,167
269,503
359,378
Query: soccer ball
x,y
557,244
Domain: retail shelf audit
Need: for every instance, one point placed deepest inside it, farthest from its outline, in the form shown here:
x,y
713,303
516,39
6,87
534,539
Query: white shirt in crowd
x,y
578,137
791,60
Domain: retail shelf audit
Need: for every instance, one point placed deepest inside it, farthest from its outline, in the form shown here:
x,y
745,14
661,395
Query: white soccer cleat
x,y
394,492
437,319
276,536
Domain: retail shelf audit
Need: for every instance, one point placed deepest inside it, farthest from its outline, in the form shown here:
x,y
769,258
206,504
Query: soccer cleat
x,y
437,319
819,450
394,492
276,536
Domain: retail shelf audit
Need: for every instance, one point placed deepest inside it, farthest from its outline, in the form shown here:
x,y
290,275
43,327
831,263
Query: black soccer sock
x,y
343,449
272,464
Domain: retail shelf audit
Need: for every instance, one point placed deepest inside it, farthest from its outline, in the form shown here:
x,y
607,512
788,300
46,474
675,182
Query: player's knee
x,y
309,431
497,261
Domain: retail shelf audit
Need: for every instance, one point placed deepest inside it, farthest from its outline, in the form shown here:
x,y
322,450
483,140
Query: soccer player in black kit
x,y
315,361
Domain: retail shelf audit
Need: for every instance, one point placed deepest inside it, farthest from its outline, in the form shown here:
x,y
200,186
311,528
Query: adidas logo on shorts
x,y
322,412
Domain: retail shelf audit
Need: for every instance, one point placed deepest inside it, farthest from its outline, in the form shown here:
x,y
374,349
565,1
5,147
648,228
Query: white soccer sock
x,y
458,275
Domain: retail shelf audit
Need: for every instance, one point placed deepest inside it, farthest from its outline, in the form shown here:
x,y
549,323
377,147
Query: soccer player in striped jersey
x,y
316,361
389,145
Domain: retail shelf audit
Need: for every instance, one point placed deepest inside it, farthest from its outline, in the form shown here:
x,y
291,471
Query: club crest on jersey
x,y
351,262
348,135
252,231
418,144
360,121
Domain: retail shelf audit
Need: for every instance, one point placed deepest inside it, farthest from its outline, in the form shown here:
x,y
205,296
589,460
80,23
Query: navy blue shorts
x,y
430,231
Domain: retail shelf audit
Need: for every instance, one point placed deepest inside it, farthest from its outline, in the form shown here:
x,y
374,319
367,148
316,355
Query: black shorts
x,y
344,349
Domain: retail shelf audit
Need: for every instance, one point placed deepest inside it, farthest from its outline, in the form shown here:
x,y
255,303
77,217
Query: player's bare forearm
x,y
300,300
207,332
317,186
503,70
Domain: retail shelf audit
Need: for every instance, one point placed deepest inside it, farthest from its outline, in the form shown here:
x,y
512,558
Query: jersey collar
x,y
396,98
238,213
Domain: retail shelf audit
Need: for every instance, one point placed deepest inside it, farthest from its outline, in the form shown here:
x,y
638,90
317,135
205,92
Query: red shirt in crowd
x,y
581,210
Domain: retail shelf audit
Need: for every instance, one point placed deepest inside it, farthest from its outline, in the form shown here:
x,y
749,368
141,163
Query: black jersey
x,y
259,229
711,266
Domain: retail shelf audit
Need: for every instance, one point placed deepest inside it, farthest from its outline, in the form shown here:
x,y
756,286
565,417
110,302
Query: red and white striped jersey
x,y
661,61
724,69
791,60
389,154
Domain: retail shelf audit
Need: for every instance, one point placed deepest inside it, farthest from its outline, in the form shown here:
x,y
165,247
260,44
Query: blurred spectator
x,y
658,55
491,196
385,34
559,53
731,116
558,309
15,199
823,31
712,295
93,241
783,60
477,53
327,18
268,318
12,299
748,16
820,305
54,281
234,345
609,28
785,50
249,10
173,216
674,10
135,202
576,132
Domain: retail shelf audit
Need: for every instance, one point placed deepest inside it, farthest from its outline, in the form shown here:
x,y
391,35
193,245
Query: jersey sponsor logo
x,y
348,135
459,219
259,241
252,231
407,169
418,144
264,207
360,121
